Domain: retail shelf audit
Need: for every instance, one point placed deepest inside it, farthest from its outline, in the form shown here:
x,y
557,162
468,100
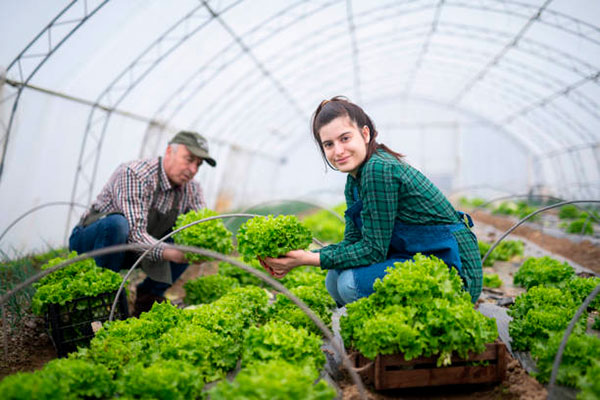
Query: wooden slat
x,y
394,372
490,353
435,377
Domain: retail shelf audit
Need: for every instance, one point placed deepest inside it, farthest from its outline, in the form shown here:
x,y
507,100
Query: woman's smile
x,y
345,145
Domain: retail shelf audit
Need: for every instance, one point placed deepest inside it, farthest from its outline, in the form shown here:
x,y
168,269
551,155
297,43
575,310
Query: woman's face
x,y
345,145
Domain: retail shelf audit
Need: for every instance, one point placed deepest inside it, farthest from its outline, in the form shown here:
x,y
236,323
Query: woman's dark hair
x,y
340,106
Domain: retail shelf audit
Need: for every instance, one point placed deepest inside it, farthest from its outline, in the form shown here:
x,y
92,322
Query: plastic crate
x,y
70,325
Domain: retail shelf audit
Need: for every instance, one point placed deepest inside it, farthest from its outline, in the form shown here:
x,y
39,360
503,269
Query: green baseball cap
x,y
195,143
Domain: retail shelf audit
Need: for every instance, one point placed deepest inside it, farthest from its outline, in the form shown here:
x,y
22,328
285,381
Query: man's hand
x,y
174,255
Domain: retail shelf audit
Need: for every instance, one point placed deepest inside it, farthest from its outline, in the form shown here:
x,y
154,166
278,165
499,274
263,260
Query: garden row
x,y
541,315
572,218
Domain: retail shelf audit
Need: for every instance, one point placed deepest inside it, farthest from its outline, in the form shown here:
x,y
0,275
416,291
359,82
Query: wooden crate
x,y
394,372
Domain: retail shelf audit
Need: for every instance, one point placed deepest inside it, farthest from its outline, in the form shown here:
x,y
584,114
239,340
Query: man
x,y
139,204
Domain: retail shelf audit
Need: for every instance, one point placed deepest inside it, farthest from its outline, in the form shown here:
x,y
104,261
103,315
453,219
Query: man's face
x,y
181,165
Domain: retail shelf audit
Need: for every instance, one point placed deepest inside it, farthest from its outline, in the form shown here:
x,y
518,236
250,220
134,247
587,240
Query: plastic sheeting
x,y
483,96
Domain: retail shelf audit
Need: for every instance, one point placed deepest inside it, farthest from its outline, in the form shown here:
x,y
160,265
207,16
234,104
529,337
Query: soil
x,y
584,253
29,347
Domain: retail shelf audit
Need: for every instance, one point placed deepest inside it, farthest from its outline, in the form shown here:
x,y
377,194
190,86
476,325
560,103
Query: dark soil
x,y
584,253
29,347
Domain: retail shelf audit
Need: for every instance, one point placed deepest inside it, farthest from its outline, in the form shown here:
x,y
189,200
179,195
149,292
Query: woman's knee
x,y
347,287
331,286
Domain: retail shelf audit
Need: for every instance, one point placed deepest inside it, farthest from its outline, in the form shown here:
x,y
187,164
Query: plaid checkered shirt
x,y
131,191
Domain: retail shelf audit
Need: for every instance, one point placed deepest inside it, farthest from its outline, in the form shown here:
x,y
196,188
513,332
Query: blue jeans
x,y
113,230
349,285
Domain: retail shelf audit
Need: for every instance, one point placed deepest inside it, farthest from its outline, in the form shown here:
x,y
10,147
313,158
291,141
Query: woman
x,y
393,212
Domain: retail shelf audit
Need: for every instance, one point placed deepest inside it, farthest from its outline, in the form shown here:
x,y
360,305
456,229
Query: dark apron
x,y
159,224
408,240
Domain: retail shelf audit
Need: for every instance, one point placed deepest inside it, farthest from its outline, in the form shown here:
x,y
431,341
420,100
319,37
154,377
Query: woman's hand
x,y
280,266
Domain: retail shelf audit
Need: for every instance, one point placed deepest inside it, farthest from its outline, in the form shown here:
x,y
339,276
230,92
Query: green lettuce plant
x,y
80,279
274,380
418,308
208,288
272,236
211,235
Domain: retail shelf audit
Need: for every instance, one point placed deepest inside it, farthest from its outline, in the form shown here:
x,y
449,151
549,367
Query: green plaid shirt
x,y
391,190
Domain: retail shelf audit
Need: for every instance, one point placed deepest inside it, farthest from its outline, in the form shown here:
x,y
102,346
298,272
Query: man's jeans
x,y
113,230
349,285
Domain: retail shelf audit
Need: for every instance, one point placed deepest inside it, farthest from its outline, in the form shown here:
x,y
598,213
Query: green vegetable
x,y
163,379
538,313
272,236
211,235
418,308
519,209
166,353
590,383
580,288
309,276
207,289
315,297
596,324
491,280
274,380
543,271
212,353
325,226
505,251
581,226
63,378
81,279
474,202
242,277
278,340
569,211
580,353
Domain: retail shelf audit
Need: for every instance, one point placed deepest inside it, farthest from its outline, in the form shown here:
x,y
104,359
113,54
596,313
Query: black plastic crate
x,y
70,325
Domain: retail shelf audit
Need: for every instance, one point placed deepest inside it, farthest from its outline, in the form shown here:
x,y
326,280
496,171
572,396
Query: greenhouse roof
x,y
484,96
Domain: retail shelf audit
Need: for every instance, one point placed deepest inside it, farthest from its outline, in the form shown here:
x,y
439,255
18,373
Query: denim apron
x,y
408,240
159,224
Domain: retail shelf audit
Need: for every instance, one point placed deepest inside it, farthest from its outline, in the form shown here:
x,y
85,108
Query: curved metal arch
x,y
494,61
329,3
189,88
424,49
554,19
124,83
286,94
27,53
354,48
240,118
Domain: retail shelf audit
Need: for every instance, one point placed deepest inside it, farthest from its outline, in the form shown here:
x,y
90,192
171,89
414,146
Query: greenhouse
x,y
300,199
